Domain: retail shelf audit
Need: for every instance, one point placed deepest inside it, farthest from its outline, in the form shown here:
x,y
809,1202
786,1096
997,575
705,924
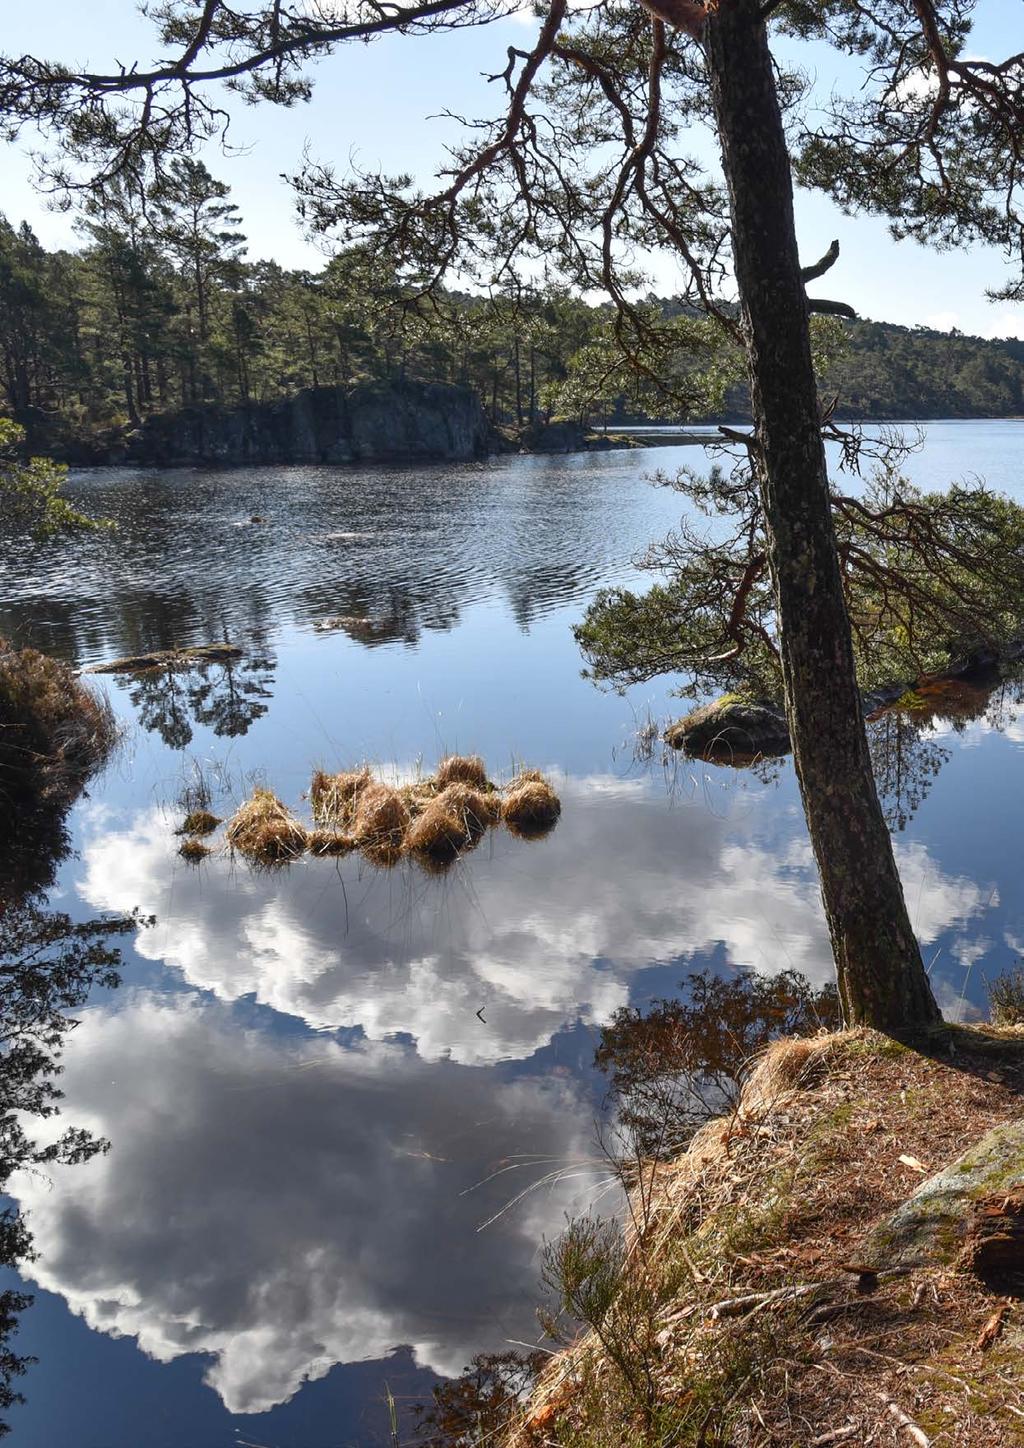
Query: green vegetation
x,y
159,310
31,499
928,579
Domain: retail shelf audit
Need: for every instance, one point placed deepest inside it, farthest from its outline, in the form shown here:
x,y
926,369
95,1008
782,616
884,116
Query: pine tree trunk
x,y
882,980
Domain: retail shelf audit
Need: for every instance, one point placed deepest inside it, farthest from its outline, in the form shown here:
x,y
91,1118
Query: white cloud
x,y
284,1205
1007,324
943,321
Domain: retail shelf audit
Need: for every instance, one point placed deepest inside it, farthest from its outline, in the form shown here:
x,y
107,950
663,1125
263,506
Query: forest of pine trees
x,y
158,309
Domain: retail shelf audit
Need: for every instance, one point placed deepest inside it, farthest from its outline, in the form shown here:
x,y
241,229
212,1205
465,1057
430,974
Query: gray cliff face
x,y
375,422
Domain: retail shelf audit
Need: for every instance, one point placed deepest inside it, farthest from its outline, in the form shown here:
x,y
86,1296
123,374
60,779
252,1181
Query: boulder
x,y
731,727
971,1213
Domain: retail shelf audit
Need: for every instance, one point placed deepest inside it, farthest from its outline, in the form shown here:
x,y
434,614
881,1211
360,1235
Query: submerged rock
x,y
731,729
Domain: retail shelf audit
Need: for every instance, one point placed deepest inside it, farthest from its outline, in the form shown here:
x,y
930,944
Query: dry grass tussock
x,y
330,842
531,807
381,818
194,850
199,822
264,831
434,818
54,730
452,821
734,1310
462,769
334,797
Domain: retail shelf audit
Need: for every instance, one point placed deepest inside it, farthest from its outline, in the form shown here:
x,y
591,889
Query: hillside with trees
x,y
160,310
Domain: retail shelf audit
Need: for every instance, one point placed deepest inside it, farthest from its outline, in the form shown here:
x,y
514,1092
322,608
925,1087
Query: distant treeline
x,y
158,309
889,372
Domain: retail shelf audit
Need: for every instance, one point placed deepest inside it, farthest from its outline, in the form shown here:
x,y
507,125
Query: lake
x,y
347,1106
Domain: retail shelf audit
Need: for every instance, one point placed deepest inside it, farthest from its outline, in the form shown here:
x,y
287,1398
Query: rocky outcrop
x,y
373,422
969,1212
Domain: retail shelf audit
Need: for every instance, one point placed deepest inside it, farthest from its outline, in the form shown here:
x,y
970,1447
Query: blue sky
x,y
372,103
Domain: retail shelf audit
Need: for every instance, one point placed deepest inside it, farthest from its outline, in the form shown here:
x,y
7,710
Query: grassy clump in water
x,y
54,731
381,819
463,769
434,818
531,807
335,797
330,842
453,821
263,830
194,850
200,822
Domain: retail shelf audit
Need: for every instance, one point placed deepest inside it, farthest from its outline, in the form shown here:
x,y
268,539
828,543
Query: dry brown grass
x,y
54,730
381,818
531,807
433,818
743,1248
193,851
480,808
263,830
383,855
452,822
334,797
462,769
199,822
438,832
417,795
330,842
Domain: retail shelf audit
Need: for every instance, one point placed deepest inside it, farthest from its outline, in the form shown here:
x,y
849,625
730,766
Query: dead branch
x,y
810,273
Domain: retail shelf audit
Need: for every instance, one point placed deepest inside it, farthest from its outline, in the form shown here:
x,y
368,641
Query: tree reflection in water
x,y
228,697
679,1062
905,737
48,967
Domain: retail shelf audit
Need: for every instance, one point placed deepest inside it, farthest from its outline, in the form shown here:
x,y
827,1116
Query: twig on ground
x,y
907,1423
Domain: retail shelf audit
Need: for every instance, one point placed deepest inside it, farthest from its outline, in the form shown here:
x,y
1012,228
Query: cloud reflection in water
x,y
538,935
284,1205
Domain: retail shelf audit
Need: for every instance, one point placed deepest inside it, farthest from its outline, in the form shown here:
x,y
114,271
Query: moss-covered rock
x,y
732,726
934,1225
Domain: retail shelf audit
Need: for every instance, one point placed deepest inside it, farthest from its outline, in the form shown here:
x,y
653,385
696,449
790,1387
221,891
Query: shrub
x,y
54,731
680,1062
1006,998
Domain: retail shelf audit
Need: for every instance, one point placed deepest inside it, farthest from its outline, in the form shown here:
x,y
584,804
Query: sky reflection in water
x,y
295,1080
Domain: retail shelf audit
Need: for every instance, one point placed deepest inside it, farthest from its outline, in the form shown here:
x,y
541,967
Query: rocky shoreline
x,y
368,423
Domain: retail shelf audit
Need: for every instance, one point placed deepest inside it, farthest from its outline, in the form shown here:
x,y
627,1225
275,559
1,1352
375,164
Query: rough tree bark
x,y
882,980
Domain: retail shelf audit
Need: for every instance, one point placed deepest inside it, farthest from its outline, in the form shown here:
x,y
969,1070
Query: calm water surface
x,y
326,1087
